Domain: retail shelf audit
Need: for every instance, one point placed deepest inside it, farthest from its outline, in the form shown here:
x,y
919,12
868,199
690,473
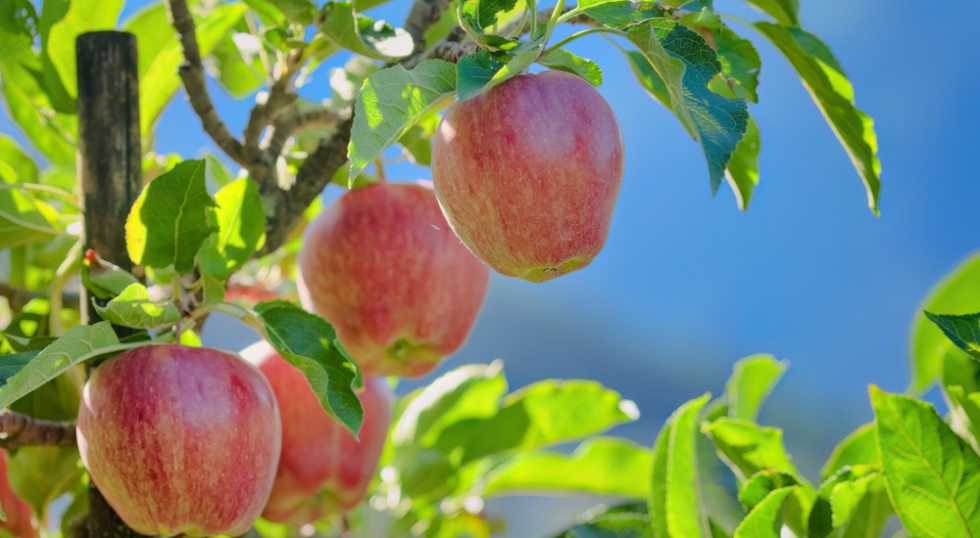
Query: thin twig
x,y
195,83
21,430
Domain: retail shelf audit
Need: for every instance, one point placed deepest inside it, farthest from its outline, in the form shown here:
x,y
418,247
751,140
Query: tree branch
x,y
195,83
18,297
421,17
18,430
293,121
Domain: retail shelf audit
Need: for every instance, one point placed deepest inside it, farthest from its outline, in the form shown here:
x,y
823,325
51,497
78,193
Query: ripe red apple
x,y
180,439
20,519
381,264
528,173
323,468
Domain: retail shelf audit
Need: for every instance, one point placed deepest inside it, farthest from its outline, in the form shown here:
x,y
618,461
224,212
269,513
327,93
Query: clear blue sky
x,y
687,284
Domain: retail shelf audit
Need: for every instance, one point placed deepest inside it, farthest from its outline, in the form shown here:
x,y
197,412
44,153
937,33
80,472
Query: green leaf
x,y
41,474
600,466
755,490
964,331
832,91
753,378
417,139
958,293
674,489
860,507
241,229
487,70
474,72
170,219
740,65
390,101
134,308
618,13
764,520
476,16
471,391
858,448
682,503
932,475
310,344
648,78
625,521
14,163
78,344
563,60
743,169
82,16
344,28
686,64
237,60
159,84
748,448
964,411
786,12
104,279
542,414
24,218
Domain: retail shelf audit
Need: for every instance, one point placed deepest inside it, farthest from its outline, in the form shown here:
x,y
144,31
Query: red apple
x,y
381,264
528,173
181,439
323,468
20,519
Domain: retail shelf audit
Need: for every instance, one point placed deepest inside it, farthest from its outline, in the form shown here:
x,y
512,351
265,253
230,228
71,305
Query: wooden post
x,y
109,178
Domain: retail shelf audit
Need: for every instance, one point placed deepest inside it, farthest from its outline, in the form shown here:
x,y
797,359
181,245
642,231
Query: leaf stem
x,y
553,21
583,33
532,5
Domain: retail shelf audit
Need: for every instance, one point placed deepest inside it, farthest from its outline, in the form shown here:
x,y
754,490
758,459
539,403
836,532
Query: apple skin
x,y
382,266
323,468
20,519
528,174
180,439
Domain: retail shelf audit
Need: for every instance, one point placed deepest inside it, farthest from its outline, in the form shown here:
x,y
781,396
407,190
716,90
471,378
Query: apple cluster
x,y
199,442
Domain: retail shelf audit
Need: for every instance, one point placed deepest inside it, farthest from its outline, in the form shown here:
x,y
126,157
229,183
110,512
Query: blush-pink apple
x,y
19,517
181,440
528,173
323,469
381,264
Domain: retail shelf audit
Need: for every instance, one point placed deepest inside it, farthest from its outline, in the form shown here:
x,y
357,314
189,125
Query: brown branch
x,y
313,176
195,84
18,297
279,97
293,121
18,430
421,17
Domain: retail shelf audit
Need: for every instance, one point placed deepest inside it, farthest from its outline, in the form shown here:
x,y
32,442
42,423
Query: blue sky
x,y
687,284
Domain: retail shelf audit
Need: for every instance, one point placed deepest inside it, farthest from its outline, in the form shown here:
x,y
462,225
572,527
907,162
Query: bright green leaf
x,y
310,344
964,331
563,60
958,293
749,448
374,39
753,378
14,163
860,507
170,219
390,101
764,520
24,217
77,345
832,91
755,490
858,448
237,60
964,409
740,65
134,308
600,466
786,12
241,229
82,16
160,84
932,475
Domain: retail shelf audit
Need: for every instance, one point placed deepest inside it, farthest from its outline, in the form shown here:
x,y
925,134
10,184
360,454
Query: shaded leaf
x,y
786,12
310,344
964,331
743,169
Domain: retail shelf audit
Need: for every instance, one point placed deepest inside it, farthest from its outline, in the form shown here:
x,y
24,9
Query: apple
x,y
180,440
381,264
19,518
323,469
528,173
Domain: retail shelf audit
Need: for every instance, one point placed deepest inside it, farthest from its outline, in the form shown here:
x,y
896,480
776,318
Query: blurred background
x,y
687,284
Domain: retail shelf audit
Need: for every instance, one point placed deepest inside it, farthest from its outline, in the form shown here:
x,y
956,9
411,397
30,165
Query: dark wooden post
x,y
109,177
